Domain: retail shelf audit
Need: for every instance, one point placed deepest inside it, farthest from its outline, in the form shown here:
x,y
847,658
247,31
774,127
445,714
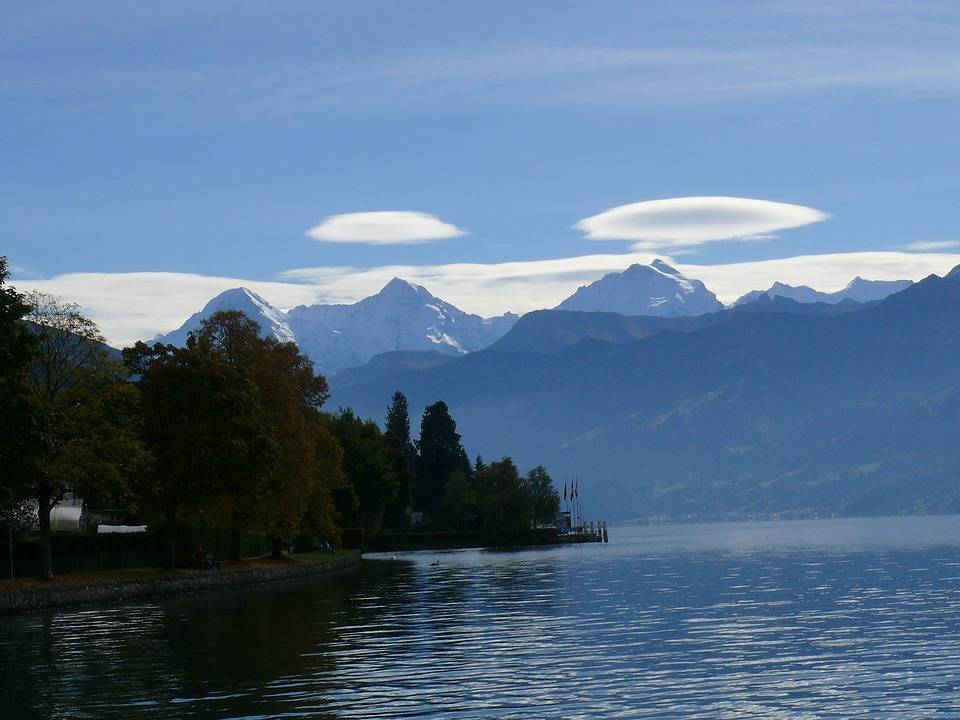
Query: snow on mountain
x,y
656,289
272,321
858,289
402,316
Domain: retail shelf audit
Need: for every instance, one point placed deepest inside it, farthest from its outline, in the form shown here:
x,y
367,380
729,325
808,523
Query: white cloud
x,y
131,306
928,246
493,288
136,306
690,221
385,227
829,272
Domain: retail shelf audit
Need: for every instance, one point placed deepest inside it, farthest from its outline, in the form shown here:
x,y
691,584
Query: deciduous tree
x,y
84,422
546,499
506,504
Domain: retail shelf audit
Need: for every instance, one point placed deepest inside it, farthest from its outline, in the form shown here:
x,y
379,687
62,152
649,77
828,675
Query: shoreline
x,y
156,583
457,540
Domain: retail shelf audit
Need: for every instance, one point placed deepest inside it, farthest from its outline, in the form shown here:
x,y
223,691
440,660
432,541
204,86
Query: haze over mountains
x,y
840,402
729,414
404,317
858,290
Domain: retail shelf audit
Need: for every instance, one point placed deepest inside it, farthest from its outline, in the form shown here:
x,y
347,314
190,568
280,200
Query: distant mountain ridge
x,y
858,290
402,316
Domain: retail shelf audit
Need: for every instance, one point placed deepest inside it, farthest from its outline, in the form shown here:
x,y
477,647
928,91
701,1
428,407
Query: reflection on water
x,y
803,619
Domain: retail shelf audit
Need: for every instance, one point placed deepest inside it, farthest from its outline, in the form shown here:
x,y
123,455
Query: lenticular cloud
x,y
385,227
696,220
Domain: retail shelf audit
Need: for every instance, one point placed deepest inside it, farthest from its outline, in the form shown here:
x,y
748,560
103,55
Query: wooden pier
x,y
581,532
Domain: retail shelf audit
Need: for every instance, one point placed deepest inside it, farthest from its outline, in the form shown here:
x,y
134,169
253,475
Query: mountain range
x,y
792,409
402,316
789,402
858,290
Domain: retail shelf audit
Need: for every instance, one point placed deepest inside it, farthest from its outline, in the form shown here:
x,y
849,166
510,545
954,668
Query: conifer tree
x,y
440,454
401,456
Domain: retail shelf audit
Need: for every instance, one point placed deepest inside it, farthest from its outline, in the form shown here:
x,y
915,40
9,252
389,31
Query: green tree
x,y
18,347
366,469
401,456
292,395
188,407
546,499
505,503
321,514
84,433
440,454
479,465
398,425
253,454
457,508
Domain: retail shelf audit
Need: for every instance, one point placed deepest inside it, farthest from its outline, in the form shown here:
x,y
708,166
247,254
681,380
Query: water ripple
x,y
788,620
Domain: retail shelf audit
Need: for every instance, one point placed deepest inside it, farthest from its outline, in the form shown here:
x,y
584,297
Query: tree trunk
x,y
170,561
234,545
46,545
276,548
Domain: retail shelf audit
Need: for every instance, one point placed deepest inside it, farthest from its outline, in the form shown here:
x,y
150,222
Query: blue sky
x,y
201,141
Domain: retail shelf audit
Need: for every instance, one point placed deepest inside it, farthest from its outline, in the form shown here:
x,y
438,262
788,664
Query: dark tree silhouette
x,y
440,454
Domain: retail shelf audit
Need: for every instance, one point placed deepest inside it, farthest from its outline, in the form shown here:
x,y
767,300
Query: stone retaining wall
x,y
39,598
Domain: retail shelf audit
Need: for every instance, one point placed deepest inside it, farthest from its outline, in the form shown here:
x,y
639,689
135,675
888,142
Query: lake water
x,y
839,618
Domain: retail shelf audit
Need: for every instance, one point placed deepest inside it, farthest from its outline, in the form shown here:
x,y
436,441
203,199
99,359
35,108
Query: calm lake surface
x,y
838,618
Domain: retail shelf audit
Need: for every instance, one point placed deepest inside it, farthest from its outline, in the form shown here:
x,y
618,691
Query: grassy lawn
x,y
321,556
93,576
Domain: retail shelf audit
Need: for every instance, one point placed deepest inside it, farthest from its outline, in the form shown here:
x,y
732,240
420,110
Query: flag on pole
x,y
564,490
573,493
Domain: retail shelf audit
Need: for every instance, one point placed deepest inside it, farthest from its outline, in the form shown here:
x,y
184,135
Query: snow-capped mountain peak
x,y
656,289
272,321
402,316
399,289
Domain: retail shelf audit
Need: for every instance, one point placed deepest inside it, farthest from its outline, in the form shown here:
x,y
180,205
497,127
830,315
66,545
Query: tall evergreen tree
x,y
401,455
440,454
398,423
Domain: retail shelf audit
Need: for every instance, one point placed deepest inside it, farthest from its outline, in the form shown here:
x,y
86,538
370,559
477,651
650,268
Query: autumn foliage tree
x,y
82,428
234,425
185,400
